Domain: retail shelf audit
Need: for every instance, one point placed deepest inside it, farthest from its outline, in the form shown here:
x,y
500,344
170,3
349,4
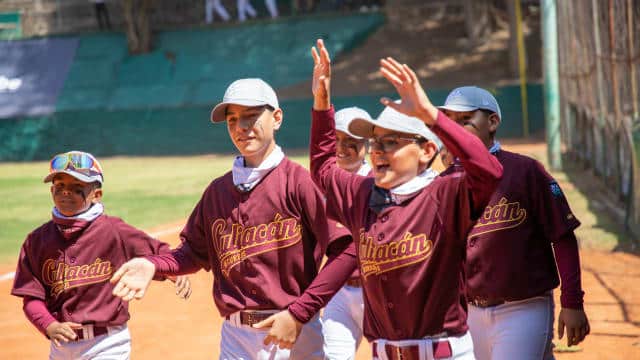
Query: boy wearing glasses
x,y
517,248
65,265
261,229
411,225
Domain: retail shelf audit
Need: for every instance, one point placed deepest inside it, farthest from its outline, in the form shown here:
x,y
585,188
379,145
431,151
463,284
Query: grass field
x,y
144,191
151,191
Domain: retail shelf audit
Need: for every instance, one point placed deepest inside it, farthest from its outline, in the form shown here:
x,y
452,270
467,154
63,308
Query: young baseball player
x,y
511,268
261,229
65,265
342,318
411,226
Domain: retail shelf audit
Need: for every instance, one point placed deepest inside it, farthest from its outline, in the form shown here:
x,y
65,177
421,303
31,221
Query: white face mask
x,y
91,214
406,191
246,178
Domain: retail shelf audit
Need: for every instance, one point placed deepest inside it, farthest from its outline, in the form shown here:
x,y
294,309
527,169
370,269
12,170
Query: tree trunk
x,y
136,15
478,20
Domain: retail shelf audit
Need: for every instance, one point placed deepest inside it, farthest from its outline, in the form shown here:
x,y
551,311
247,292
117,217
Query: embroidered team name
x,y
376,259
501,216
61,276
236,243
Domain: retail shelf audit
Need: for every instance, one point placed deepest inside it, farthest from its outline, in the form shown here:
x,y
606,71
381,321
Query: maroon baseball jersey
x,y
72,276
410,256
509,253
264,246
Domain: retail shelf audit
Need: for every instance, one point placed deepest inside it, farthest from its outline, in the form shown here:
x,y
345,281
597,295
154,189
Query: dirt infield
x,y
166,327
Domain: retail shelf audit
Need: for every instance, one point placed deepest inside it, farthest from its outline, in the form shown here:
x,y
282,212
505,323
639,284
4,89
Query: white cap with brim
x,y
393,120
471,98
245,92
78,175
345,116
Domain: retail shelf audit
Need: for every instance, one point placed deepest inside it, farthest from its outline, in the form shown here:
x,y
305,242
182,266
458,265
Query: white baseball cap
x,y
245,92
391,119
345,116
471,98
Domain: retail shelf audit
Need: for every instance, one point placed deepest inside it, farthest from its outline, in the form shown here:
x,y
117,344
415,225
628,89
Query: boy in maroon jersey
x,y
261,229
511,268
65,265
411,227
342,318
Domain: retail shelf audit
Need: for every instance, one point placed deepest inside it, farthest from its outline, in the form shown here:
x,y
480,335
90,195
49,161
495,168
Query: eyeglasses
x,y
390,143
79,161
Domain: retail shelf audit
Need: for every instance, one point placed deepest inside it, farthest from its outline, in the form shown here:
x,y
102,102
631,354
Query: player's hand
x,y
415,101
576,323
320,85
183,286
284,329
62,332
133,279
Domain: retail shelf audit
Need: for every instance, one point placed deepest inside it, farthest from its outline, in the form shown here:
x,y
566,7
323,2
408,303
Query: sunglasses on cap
x,y
76,160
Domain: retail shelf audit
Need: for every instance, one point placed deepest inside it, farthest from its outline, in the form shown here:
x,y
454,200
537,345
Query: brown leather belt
x,y
97,331
485,303
252,317
354,282
441,350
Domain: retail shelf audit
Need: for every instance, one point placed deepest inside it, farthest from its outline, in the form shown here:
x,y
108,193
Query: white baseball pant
x,y
216,5
342,324
461,347
115,345
242,342
245,8
514,330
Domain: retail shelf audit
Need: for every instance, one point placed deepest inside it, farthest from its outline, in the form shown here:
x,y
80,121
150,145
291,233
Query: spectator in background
x,y
102,14
245,8
272,7
210,6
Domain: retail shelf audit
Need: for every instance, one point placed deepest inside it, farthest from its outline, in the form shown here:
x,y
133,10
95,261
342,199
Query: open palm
x,y
320,84
415,101
133,278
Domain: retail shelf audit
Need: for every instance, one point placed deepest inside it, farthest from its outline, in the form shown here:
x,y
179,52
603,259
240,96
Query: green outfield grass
x,y
151,191
145,192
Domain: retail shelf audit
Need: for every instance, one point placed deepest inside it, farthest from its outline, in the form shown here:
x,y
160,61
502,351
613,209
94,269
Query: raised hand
x,y
576,324
62,332
415,101
284,329
133,279
320,85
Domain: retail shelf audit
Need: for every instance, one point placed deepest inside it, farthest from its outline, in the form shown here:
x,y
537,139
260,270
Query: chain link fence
x,y
599,64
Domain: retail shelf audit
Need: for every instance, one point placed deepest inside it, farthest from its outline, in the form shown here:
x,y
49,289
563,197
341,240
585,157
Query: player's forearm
x,y
329,281
568,262
322,147
37,313
483,170
177,262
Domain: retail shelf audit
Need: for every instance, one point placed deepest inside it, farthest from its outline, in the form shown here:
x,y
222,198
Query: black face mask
x,y
379,199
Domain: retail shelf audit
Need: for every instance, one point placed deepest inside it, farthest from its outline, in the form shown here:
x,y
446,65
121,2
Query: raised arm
x,y
338,185
483,170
